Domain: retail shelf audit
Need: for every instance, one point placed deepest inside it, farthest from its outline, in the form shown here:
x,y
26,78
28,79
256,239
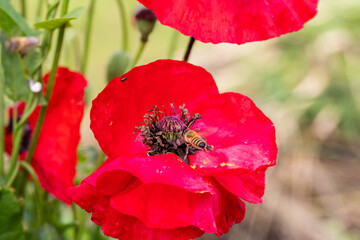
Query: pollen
x,y
227,164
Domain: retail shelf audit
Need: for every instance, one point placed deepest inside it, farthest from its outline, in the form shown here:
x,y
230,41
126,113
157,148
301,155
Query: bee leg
x,y
151,153
186,160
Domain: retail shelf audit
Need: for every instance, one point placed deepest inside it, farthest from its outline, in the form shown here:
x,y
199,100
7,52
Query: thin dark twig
x,y
188,50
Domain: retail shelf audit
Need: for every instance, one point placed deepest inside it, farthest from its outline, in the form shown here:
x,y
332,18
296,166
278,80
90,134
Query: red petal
x,y
55,156
233,21
122,104
249,187
146,3
244,145
118,225
242,136
165,169
156,210
228,210
165,206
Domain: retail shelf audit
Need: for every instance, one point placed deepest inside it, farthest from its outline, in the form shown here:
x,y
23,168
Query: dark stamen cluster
x,y
163,131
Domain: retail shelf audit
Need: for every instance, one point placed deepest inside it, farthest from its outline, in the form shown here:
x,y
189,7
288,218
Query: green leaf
x,y
74,13
10,216
33,60
58,22
16,83
47,232
53,23
11,20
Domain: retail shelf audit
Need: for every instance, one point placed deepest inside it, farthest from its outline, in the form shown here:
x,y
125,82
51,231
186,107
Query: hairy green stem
x,y
124,25
2,109
49,88
38,192
188,49
139,53
88,36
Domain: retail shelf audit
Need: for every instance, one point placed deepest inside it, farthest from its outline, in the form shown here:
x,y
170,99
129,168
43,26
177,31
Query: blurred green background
x,y
307,82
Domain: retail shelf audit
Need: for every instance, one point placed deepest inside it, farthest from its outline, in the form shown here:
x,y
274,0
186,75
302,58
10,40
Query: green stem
x,y
139,53
88,36
173,44
39,8
23,8
2,109
17,136
76,221
11,176
188,49
49,88
14,115
97,233
38,192
124,29
64,8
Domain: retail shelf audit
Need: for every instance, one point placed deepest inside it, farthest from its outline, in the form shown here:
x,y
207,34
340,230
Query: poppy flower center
x,y
25,141
170,132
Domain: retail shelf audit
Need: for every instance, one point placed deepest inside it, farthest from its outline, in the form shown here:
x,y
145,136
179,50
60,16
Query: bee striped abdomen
x,y
192,138
198,142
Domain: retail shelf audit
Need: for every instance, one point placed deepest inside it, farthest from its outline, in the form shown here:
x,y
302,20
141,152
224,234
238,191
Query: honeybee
x,y
21,44
192,138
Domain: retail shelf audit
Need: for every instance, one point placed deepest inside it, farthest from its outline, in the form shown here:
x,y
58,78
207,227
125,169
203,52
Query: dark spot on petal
x,y
123,79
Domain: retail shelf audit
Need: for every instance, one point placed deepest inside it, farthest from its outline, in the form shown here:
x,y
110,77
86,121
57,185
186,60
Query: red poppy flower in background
x,y
55,155
148,191
233,21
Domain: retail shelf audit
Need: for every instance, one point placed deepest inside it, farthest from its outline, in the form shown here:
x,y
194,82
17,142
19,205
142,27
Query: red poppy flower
x,y
173,187
55,155
233,21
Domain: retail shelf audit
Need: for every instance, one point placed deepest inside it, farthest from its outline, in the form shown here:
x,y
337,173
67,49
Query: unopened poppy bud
x,y
117,65
145,21
21,44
